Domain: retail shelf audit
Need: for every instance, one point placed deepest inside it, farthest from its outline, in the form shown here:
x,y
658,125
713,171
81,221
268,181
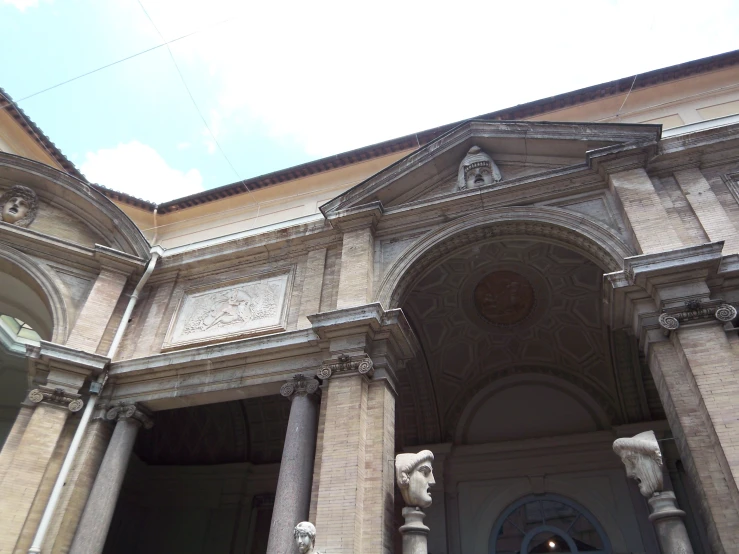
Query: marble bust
x,y
305,537
19,206
414,475
643,460
477,170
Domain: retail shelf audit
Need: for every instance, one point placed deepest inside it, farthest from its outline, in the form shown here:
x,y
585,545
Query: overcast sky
x,y
282,83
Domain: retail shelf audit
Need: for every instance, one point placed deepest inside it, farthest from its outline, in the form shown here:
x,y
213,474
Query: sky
x,y
254,87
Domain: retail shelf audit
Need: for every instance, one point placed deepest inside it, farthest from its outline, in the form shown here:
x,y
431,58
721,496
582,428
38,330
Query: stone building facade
x,y
511,292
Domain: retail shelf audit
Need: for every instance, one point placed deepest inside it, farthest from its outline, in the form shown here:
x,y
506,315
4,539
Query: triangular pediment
x,y
519,150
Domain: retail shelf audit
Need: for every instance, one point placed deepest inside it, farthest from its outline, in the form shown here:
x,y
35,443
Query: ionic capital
x,y
131,412
347,365
696,310
56,397
300,385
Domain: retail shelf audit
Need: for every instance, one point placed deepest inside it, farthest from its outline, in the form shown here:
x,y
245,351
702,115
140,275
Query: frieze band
x,y
57,397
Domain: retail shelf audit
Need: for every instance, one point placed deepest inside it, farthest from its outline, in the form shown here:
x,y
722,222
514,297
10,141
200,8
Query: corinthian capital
x,y
300,385
131,412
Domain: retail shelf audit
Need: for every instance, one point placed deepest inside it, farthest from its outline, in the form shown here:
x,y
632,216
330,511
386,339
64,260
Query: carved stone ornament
x,y
131,412
414,475
19,206
643,460
346,364
695,310
56,397
252,306
477,170
305,537
299,385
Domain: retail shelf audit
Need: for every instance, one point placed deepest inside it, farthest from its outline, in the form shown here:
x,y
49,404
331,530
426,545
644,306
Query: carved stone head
x,y
477,170
19,206
305,537
643,461
414,475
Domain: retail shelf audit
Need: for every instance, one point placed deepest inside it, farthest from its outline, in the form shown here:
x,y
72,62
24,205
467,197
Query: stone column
x,y
292,499
98,513
643,460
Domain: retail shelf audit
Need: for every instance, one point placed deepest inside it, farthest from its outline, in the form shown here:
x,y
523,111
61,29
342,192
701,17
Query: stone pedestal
x,y
95,522
292,499
669,524
415,533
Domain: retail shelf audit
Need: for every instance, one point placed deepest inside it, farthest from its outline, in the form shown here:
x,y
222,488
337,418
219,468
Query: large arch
x,y
75,200
32,275
549,224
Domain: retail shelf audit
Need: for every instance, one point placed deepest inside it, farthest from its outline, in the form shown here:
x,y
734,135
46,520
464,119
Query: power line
x,y
195,104
166,43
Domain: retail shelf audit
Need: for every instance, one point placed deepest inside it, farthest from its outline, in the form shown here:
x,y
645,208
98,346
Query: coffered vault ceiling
x,y
251,430
500,309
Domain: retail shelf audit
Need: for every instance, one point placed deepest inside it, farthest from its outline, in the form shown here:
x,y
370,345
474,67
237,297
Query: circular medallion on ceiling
x,y
504,297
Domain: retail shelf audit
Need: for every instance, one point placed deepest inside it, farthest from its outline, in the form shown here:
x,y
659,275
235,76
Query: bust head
x,y
477,170
19,206
414,475
305,537
643,461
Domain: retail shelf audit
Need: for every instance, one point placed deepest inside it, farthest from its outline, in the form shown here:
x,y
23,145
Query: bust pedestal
x,y
414,532
668,523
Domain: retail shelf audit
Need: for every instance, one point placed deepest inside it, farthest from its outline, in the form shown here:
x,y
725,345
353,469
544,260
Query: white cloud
x,y
22,4
334,75
139,170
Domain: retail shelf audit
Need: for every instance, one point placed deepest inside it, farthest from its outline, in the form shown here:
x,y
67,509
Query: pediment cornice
x,y
552,149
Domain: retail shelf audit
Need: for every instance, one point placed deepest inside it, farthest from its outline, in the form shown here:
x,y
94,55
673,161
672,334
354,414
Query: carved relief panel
x,y
255,305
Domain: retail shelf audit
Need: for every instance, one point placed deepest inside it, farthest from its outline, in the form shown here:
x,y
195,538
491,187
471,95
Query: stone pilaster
x,y
292,499
643,211
38,441
98,513
30,462
684,328
354,490
93,319
711,214
357,263
310,300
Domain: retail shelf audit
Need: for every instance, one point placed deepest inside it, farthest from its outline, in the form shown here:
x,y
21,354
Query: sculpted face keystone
x,y
477,170
415,475
19,206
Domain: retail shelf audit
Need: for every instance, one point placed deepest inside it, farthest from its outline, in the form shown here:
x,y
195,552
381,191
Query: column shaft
x,y
292,499
98,513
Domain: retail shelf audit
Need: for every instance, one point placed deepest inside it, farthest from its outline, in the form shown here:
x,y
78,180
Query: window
x,y
547,523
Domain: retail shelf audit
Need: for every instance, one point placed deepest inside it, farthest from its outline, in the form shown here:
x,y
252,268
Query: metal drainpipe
x,y
96,387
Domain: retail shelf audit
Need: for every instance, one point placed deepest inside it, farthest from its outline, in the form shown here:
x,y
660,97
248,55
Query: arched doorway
x,y
521,388
547,523
25,319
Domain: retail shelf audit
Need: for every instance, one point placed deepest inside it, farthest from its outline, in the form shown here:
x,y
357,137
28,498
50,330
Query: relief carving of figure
x,y
643,460
236,306
305,537
477,170
19,206
415,475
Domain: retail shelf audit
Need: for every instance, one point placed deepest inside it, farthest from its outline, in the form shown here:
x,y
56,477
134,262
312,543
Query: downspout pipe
x,y
96,388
